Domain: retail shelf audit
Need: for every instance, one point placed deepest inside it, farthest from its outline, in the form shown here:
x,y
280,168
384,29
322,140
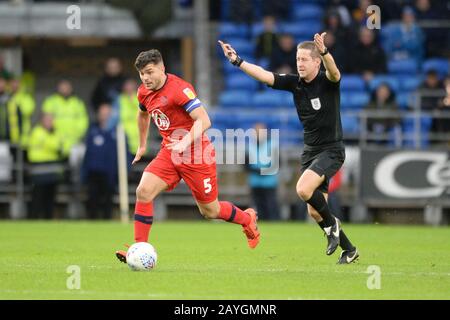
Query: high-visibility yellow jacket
x,y
44,145
70,118
128,107
20,110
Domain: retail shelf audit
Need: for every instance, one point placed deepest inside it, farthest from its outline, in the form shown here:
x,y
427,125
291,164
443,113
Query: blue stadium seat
x,y
408,127
228,68
354,100
257,28
407,66
441,65
242,46
249,119
392,81
301,29
271,99
386,34
410,82
235,99
240,81
222,118
264,63
302,38
350,124
233,30
307,12
406,100
350,82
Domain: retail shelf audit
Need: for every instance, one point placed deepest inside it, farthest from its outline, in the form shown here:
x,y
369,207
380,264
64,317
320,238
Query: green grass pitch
x,y
208,260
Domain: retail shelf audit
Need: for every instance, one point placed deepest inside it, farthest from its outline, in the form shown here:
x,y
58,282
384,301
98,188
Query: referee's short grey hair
x,y
309,45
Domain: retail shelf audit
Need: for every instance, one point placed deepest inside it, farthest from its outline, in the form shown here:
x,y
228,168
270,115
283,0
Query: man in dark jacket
x,y
368,57
99,169
110,85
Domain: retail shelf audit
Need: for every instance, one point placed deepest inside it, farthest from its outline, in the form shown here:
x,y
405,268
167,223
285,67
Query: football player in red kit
x,y
186,152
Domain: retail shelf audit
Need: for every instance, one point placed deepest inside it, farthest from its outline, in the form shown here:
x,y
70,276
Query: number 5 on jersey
x,y
207,184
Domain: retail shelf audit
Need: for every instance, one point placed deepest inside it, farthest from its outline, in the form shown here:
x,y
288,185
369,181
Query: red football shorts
x,y
198,171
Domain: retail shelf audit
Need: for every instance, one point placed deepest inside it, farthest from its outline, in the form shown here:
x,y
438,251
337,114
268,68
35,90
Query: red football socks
x,y
143,219
233,214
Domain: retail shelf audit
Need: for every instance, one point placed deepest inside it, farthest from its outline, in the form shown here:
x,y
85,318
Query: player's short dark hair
x,y
309,45
145,57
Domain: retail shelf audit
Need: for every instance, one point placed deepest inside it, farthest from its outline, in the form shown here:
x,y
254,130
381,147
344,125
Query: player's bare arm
x,y
252,70
332,71
201,124
143,121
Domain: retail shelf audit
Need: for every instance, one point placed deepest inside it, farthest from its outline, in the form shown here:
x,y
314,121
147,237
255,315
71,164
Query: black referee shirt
x,y
318,106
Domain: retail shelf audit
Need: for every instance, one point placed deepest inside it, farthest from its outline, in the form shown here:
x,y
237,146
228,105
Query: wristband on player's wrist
x,y
325,52
237,62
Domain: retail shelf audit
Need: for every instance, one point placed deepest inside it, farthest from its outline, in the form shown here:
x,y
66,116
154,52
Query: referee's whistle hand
x,y
318,41
228,50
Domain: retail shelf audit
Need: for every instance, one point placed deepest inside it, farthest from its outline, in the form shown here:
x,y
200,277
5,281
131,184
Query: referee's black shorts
x,y
323,160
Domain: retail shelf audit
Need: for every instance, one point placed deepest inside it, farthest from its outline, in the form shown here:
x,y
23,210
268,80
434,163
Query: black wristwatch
x,y
238,61
325,52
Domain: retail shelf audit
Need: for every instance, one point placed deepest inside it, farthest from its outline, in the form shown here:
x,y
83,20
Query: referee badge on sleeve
x,y
316,103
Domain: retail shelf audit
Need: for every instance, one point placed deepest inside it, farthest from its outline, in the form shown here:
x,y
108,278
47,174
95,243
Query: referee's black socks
x,y
344,242
318,202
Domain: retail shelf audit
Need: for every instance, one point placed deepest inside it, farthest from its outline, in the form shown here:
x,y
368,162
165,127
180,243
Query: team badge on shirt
x,y
160,119
316,103
188,92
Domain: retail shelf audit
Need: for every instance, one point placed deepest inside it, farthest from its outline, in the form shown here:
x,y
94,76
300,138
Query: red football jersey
x,y
170,106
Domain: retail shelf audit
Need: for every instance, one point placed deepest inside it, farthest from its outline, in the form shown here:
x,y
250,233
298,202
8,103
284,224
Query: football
x,y
141,256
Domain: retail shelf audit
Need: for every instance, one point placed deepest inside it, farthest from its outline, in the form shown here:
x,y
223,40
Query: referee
x,y
317,99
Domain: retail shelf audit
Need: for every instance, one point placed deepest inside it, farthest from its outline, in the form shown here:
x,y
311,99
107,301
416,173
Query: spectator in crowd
x,y
4,73
442,124
333,24
432,91
279,9
124,111
4,97
263,185
406,39
359,14
44,154
28,76
110,85
99,170
340,53
267,41
128,112
70,115
383,102
341,9
20,107
435,38
368,57
284,59
390,9
241,11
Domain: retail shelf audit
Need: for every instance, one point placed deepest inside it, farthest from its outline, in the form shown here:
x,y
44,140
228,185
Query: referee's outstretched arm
x,y
252,70
332,73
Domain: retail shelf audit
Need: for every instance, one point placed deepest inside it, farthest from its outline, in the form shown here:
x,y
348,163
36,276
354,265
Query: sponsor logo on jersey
x,y
160,120
188,92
